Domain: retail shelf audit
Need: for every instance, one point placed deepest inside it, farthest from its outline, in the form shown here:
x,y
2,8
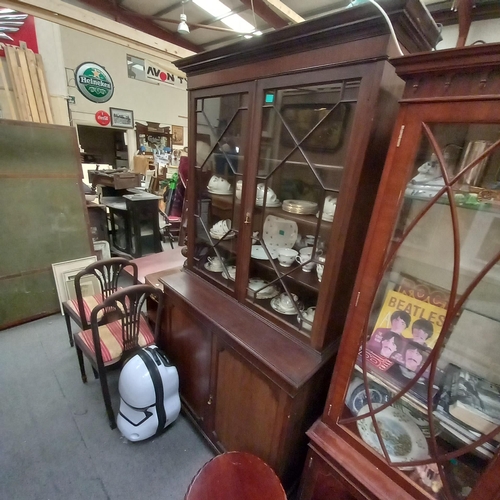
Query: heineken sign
x,y
94,82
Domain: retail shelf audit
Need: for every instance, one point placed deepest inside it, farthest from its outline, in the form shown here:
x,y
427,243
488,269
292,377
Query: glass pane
x,y
220,140
426,390
303,148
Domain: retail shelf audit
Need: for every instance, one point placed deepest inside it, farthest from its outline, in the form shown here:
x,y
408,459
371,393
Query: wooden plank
x,y
13,67
36,84
3,79
23,64
43,87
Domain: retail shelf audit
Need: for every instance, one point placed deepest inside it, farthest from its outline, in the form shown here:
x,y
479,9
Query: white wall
x,y
487,31
149,102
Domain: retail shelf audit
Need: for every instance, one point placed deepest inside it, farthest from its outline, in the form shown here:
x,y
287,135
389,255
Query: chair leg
x,y
82,364
107,398
68,326
96,373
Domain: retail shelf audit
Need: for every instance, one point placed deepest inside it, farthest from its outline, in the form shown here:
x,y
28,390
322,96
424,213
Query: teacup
x,y
286,303
308,315
270,196
320,268
217,183
239,189
309,240
305,260
306,251
286,256
215,263
222,227
329,206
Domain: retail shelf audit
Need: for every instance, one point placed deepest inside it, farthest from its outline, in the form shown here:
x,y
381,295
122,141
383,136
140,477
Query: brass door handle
x,y
247,218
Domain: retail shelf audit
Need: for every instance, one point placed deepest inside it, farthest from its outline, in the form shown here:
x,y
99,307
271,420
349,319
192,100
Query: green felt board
x,y
43,216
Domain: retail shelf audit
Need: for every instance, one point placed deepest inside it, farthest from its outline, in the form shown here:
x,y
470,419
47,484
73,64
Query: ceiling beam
x,y
282,10
266,13
94,24
136,20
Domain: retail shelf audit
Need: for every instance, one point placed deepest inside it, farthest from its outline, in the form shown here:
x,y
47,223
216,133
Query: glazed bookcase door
x,y
304,138
424,393
221,141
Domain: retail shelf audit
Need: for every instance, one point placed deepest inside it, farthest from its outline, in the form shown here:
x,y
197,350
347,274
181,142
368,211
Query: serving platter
x,y
403,439
279,233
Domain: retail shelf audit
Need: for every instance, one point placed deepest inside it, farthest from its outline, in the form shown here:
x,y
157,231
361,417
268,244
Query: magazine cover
x,y
409,317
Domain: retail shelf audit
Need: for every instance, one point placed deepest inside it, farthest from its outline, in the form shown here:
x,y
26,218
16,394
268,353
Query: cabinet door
x,y
248,407
321,482
221,124
425,390
189,345
301,167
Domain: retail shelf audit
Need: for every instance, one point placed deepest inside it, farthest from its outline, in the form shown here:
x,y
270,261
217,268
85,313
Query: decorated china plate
x,y
403,439
278,232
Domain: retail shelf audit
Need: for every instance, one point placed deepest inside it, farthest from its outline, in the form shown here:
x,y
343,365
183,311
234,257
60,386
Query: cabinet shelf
x,y
308,280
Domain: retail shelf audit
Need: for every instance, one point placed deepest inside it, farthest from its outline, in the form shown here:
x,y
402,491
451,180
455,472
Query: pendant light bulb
x,y
183,28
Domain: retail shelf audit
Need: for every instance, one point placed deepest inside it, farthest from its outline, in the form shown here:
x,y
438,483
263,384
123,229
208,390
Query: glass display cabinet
x,y
287,139
414,403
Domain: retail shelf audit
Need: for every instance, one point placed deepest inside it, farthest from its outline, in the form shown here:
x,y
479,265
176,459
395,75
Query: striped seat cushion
x,y
88,304
112,340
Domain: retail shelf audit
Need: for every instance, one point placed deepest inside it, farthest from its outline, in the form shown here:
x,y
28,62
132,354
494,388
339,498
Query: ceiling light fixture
x,y
221,11
183,28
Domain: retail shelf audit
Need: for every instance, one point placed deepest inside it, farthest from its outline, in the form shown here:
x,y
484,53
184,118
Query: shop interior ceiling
x,y
161,18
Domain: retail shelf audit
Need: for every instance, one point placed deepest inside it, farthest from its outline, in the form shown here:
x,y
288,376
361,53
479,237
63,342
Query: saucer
x,y
221,193
208,267
325,217
275,305
273,204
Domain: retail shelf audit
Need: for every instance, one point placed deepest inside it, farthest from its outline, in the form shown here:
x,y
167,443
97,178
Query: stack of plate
x,y
300,207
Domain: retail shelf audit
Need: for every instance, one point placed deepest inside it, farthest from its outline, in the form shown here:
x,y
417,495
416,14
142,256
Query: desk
x,y
135,228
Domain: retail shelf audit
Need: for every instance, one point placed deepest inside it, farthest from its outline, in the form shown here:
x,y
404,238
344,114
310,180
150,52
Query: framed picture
x,y
123,118
177,135
64,276
302,118
102,250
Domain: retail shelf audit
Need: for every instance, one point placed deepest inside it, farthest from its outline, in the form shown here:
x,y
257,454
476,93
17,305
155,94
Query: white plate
x,y
222,193
259,253
304,207
274,204
275,305
279,233
402,437
208,267
217,236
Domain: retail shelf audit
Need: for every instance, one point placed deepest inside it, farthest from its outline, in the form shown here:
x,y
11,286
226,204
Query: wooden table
x,y
235,475
159,264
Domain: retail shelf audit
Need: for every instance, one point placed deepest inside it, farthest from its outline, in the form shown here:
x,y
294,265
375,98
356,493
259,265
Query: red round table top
x,y
235,476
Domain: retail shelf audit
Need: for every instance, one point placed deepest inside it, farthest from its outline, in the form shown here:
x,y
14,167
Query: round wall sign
x,y
102,118
94,82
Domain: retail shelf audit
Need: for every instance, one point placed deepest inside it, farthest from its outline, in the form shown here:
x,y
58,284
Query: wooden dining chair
x,y
106,274
235,475
119,327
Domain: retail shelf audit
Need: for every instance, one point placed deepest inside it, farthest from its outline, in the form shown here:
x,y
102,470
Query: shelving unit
x,y
253,379
424,308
